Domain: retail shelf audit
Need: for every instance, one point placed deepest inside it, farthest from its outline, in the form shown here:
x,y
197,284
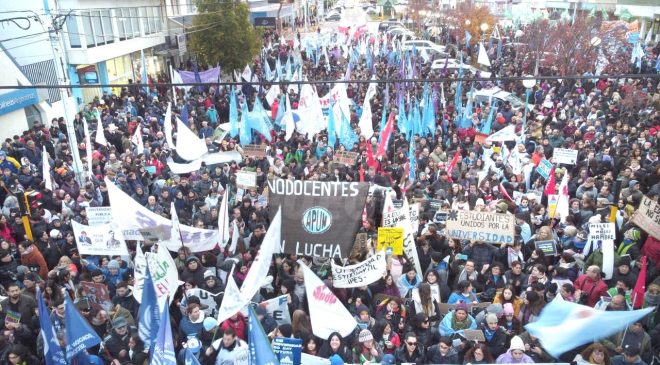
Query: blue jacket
x,y
447,330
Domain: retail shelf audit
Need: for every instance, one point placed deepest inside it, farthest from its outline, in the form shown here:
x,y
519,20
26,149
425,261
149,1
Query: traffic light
x,y
30,203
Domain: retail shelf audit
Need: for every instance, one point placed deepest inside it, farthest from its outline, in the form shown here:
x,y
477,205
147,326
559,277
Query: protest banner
x,y
481,226
647,217
548,247
480,138
602,235
288,350
206,298
401,218
544,168
278,309
414,218
254,150
390,239
435,204
601,232
97,216
97,294
319,216
565,155
164,274
99,240
246,179
345,158
364,273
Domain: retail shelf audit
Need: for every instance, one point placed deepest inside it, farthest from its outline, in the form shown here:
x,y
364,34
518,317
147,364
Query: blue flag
x,y
563,325
278,68
260,121
233,114
149,315
184,114
53,353
260,351
246,130
190,358
79,334
280,111
489,122
347,136
411,161
403,120
468,36
332,139
163,353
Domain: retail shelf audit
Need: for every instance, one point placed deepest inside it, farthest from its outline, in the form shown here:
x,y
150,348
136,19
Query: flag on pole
x,y
53,353
79,334
412,162
483,56
564,325
149,314
385,136
232,302
223,218
163,353
640,286
261,264
550,188
100,135
246,130
259,346
468,37
190,358
332,138
88,148
167,126
233,114
453,163
371,162
45,170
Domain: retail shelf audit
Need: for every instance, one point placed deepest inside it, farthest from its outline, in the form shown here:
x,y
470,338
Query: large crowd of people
x,y
613,123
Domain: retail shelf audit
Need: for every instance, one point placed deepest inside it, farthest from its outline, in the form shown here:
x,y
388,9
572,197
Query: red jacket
x,y
238,325
594,289
34,260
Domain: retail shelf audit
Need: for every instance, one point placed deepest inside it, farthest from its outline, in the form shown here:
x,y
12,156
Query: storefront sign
x,y
17,100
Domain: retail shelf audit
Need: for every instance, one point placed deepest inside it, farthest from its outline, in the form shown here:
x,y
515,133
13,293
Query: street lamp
x,y
484,28
467,22
596,41
529,82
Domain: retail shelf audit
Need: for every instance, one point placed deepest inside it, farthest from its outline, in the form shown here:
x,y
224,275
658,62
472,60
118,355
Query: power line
x,y
318,82
26,44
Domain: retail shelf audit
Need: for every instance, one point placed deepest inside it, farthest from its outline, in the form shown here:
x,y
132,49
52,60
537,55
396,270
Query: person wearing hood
x,y
124,298
630,356
238,323
193,271
630,245
363,318
457,320
442,353
496,337
32,258
515,354
335,346
409,281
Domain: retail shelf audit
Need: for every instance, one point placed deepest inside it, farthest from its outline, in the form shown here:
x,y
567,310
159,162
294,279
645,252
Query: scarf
x,y
464,276
488,333
457,325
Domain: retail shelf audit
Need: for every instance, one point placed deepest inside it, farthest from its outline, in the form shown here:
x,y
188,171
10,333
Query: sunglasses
x,y
412,343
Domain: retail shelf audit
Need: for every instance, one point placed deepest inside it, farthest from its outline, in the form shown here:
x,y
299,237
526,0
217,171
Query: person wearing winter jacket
x,y
32,258
410,351
515,354
442,353
229,348
457,320
496,337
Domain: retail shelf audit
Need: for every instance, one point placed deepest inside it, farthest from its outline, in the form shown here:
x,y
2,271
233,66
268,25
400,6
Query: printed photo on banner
x,y
647,217
97,295
481,226
364,273
99,240
390,240
319,216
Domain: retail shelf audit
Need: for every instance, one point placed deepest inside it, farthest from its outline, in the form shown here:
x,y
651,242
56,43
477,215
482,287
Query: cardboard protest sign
x,y
647,217
390,240
99,240
481,226
97,294
246,179
364,273
254,150
565,155
603,234
345,158
401,218
319,216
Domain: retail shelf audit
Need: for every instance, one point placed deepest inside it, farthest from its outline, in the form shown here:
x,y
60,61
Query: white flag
x,y
88,148
137,140
232,302
483,56
188,146
247,73
278,309
287,119
366,123
139,270
234,237
100,135
259,270
326,312
167,126
164,274
505,134
45,170
223,218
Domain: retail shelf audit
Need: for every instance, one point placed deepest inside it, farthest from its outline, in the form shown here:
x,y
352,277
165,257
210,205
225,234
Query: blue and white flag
x,y
260,351
79,334
332,139
412,162
149,315
246,130
564,325
53,353
163,353
468,36
260,120
347,136
233,114
190,358
184,114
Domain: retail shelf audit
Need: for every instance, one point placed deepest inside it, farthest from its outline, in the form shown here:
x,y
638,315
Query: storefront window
x,y
33,116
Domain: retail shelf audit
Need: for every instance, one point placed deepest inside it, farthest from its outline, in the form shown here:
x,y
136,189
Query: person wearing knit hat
x,y
515,354
366,349
363,319
496,337
509,322
501,207
457,320
630,244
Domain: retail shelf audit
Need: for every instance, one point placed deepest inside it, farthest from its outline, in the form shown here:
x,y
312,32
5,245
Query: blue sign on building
x,y
18,99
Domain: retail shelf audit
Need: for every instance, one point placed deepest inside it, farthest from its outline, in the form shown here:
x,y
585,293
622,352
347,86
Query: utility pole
x,y
56,43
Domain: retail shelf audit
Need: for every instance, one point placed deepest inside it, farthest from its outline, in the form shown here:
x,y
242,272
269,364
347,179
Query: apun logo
x,y
317,220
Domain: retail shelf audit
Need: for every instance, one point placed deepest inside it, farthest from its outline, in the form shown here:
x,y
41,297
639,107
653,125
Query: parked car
x,y
386,25
333,16
499,96
407,34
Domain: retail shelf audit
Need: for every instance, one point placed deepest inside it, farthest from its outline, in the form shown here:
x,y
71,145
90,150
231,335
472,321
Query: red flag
x,y
361,173
551,183
504,193
452,164
385,136
371,162
640,287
